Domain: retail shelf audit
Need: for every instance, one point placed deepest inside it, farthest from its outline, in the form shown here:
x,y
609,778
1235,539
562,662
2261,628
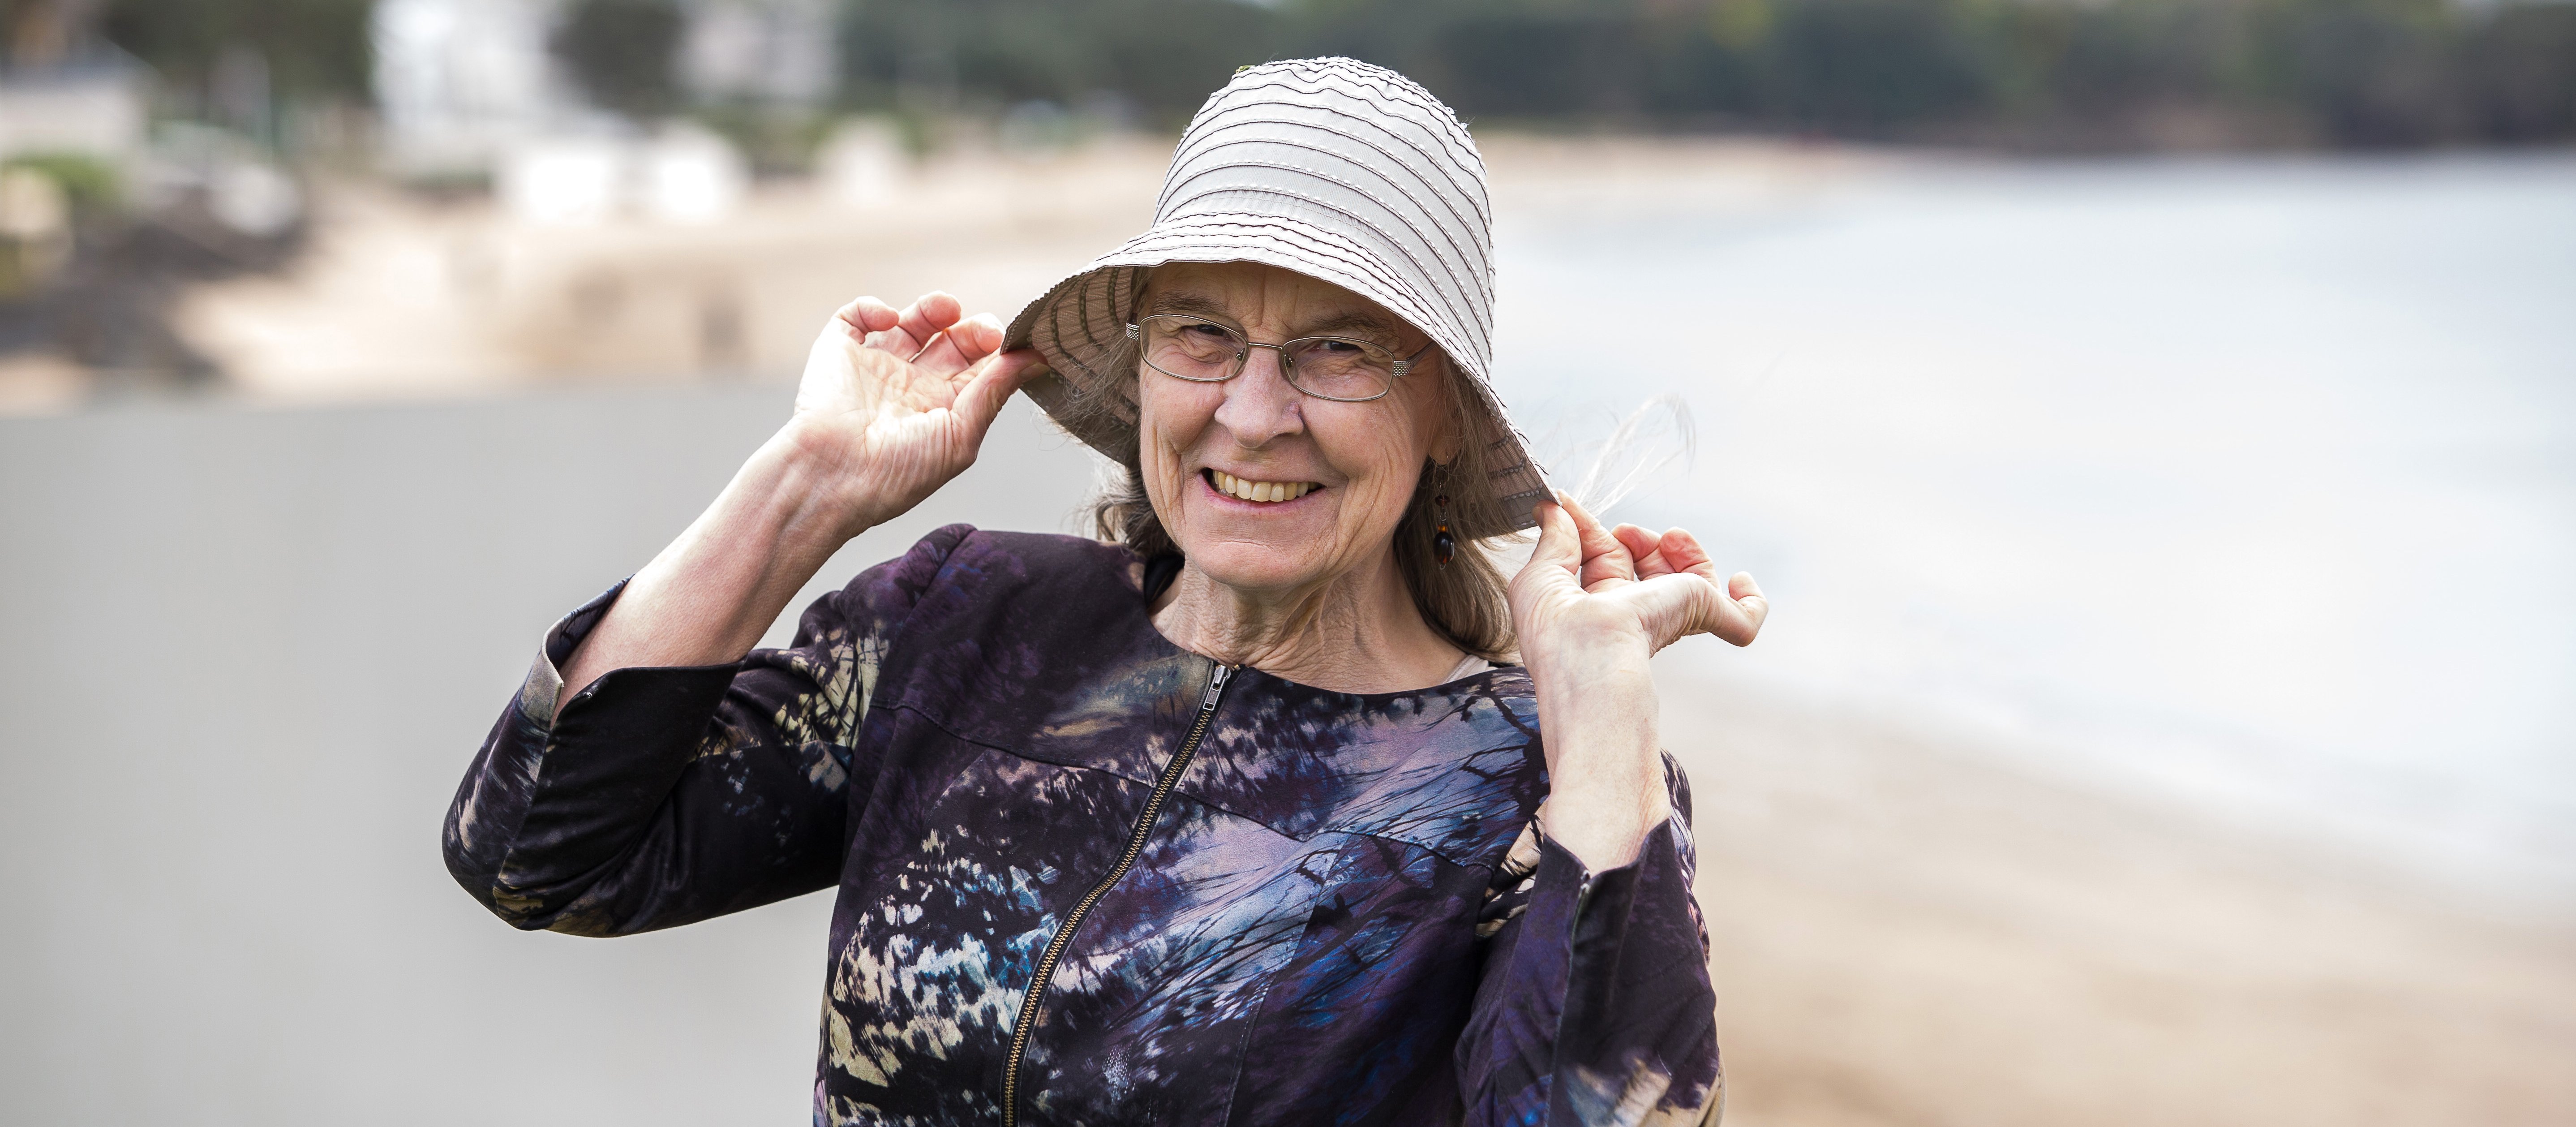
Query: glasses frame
x,y
1287,365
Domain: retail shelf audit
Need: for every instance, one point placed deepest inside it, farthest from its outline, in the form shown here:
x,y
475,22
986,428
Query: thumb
x,y
1676,606
1553,563
982,397
1560,543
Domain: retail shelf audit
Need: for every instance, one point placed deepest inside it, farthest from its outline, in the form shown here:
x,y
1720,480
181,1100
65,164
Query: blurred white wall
x,y
95,110
458,81
681,174
779,51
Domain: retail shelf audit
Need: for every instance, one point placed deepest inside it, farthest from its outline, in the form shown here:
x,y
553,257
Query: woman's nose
x,y
1261,404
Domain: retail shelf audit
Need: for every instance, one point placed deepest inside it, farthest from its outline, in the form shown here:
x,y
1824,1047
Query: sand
x,y
1910,931
401,296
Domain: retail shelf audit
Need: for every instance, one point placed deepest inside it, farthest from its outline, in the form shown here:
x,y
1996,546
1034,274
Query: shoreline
x,y
476,302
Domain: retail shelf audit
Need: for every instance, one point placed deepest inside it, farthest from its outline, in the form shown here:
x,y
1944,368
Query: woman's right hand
x,y
894,403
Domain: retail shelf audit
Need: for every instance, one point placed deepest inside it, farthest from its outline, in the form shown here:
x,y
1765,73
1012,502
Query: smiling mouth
x,y
1258,492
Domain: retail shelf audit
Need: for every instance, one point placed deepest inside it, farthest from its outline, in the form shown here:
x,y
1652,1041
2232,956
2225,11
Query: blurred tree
x,y
1161,56
1546,62
1868,66
2370,72
2125,56
622,53
311,50
2346,72
2519,72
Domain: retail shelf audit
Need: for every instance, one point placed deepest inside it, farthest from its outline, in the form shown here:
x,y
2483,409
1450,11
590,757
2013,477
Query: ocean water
x,y
2248,483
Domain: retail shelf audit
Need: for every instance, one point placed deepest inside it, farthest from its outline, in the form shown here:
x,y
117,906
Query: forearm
x,y
1595,989
708,597
1606,790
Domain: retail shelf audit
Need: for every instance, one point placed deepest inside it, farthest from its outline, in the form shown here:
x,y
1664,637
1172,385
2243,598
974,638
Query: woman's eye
x,y
1334,347
1211,332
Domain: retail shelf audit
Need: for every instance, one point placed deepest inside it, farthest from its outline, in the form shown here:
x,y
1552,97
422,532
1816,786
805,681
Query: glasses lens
x,y
1191,348
1335,368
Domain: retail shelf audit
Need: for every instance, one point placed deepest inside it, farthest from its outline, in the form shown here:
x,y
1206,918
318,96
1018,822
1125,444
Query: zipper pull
x,y
1216,687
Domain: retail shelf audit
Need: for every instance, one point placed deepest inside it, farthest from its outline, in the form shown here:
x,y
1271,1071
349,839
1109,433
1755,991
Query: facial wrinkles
x,y
1274,441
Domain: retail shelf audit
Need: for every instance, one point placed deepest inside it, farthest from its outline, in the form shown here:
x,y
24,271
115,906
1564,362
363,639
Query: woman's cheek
x,y
1379,495
1164,446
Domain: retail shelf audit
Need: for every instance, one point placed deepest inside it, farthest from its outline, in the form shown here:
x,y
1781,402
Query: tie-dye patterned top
x,y
1088,877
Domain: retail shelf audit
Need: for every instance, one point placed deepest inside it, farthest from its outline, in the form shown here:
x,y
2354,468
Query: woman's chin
x,y
1255,565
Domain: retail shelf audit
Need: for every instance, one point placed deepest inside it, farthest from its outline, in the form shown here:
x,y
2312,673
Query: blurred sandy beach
x,y
443,428
1907,933
403,295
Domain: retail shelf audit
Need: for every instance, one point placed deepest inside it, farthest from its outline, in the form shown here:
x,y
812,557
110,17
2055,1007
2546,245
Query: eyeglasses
x,y
1193,348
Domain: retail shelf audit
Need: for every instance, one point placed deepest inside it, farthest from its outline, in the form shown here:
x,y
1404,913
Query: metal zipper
x,y
1081,908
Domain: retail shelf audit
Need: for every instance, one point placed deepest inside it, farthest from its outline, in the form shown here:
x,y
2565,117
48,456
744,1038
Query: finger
x,y
1000,375
1752,608
893,336
864,316
929,315
1731,612
1604,558
1671,606
1644,548
959,347
1681,551
983,335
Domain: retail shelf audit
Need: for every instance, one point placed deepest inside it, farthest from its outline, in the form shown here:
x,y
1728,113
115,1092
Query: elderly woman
x,y
1243,817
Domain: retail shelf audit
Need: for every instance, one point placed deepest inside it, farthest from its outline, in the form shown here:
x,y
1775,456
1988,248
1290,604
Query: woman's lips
x,y
1256,492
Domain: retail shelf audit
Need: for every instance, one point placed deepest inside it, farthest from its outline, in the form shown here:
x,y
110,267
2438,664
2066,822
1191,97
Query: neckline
x,y
1160,571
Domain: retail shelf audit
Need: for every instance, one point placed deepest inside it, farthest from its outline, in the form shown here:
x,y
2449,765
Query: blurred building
x,y
780,52
458,82
91,107
463,84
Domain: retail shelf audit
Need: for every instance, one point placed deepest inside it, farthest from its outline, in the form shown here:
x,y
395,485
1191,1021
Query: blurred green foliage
x,y
2057,72
620,52
1162,55
88,184
2100,73
315,50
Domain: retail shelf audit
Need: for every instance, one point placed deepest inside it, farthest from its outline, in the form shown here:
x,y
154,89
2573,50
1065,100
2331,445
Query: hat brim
x,y
1079,327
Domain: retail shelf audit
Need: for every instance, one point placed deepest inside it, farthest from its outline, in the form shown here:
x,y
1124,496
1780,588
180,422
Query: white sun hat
x,y
1338,170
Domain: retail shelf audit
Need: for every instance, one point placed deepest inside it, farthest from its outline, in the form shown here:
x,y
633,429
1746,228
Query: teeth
x,y
1233,486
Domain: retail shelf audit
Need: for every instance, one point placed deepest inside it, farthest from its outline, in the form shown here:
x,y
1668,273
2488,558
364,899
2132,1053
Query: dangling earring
x,y
1443,545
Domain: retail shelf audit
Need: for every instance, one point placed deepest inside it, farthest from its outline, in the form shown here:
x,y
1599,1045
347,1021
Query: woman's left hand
x,y
1592,605
1587,587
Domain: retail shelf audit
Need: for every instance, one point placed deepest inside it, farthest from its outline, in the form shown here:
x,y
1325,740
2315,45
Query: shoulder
x,y
961,560
1052,557
961,566
992,615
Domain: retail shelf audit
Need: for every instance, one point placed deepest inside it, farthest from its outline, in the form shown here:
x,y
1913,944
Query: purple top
x,y
1086,876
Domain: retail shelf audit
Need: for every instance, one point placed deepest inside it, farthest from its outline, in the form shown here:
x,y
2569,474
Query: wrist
x,y
801,496
1590,661
1597,709
814,478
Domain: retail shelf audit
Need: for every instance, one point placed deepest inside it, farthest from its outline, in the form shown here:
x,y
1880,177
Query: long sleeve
x,y
1595,1006
661,796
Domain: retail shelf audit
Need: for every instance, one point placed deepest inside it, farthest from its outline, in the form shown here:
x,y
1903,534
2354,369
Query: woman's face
x,y
1202,444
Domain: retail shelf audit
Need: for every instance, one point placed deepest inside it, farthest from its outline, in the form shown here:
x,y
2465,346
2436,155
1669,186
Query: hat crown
x,y
1365,155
